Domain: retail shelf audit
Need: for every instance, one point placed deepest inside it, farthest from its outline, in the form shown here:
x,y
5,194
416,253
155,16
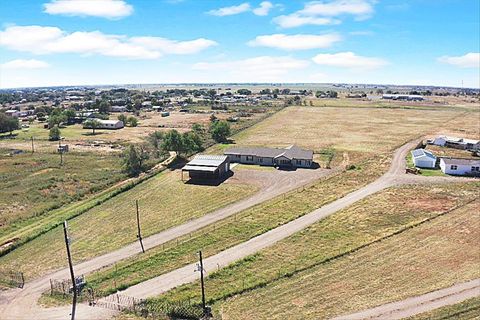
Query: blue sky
x,y
75,42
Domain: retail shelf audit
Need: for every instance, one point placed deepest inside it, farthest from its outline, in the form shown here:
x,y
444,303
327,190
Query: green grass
x,y
31,185
465,310
295,268
165,201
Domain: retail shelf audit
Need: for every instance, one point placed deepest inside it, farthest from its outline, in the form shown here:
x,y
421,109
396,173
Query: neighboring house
x,y
408,97
106,124
457,143
207,167
423,158
462,167
291,156
13,113
118,108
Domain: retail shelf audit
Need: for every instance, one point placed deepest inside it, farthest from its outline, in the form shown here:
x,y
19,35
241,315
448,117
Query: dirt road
x,y
21,304
419,304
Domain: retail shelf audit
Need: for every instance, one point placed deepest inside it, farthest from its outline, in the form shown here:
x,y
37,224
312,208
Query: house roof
x,y
458,140
291,152
109,121
459,161
207,160
418,153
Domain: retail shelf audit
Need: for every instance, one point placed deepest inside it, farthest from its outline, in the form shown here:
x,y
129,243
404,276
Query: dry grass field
x,y
295,279
33,184
435,255
164,201
356,131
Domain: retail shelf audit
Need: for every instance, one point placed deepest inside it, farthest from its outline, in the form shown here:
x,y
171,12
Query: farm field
x,y
358,132
33,184
164,201
466,310
313,273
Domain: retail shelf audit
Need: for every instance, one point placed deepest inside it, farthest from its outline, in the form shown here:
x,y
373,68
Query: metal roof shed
x,y
207,167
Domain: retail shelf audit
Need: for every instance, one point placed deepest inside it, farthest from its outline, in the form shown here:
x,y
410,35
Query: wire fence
x,y
64,286
11,278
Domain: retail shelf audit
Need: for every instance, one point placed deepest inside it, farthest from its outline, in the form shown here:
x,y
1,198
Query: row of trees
x,y
139,158
8,124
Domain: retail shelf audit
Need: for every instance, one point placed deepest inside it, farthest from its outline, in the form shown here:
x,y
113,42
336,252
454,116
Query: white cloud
x,y
294,20
326,13
359,8
469,60
349,60
264,8
258,69
110,9
173,46
295,42
24,64
230,11
50,40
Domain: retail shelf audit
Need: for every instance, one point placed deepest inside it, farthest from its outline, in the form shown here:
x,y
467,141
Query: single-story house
x,y
106,124
207,167
457,143
408,97
13,113
118,108
423,158
291,156
462,167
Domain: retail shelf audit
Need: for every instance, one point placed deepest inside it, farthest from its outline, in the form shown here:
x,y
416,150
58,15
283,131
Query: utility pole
x,y
202,283
70,265
139,235
33,148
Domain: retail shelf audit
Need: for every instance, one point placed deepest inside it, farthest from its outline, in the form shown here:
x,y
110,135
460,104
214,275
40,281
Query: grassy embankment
x,y
164,201
465,310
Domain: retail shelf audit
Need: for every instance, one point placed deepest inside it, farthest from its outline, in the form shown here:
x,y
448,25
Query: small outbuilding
x,y
423,158
460,167
207,167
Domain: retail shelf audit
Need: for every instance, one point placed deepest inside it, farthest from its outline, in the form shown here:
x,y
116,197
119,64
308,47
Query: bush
x,y
54,134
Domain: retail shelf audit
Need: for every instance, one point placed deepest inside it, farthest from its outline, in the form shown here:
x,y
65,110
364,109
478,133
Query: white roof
x,y
418,153
207,160
109,121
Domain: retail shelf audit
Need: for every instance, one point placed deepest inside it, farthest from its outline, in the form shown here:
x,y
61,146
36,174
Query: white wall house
x,y
423,158
457,143
461,167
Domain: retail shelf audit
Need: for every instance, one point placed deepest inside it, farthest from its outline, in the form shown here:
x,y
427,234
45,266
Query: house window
x,y
453,167
260,160
249,158
297,161
476,169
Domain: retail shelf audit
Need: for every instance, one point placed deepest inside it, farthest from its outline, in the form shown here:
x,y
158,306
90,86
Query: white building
x,y
423,158
457,143
105,124
461,167
13,113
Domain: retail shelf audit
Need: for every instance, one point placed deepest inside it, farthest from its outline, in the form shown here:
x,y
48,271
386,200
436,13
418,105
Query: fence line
x,y
12,278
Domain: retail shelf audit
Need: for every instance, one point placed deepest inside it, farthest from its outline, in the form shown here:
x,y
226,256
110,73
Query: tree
x,y
104,106
92,124
55,119
8,124
132,121
244,92
172,141
69,114
198,128
155,140
220,130
134,160
54,134
122,118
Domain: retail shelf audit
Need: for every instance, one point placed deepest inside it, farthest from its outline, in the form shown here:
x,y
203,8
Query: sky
x,y
95,42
